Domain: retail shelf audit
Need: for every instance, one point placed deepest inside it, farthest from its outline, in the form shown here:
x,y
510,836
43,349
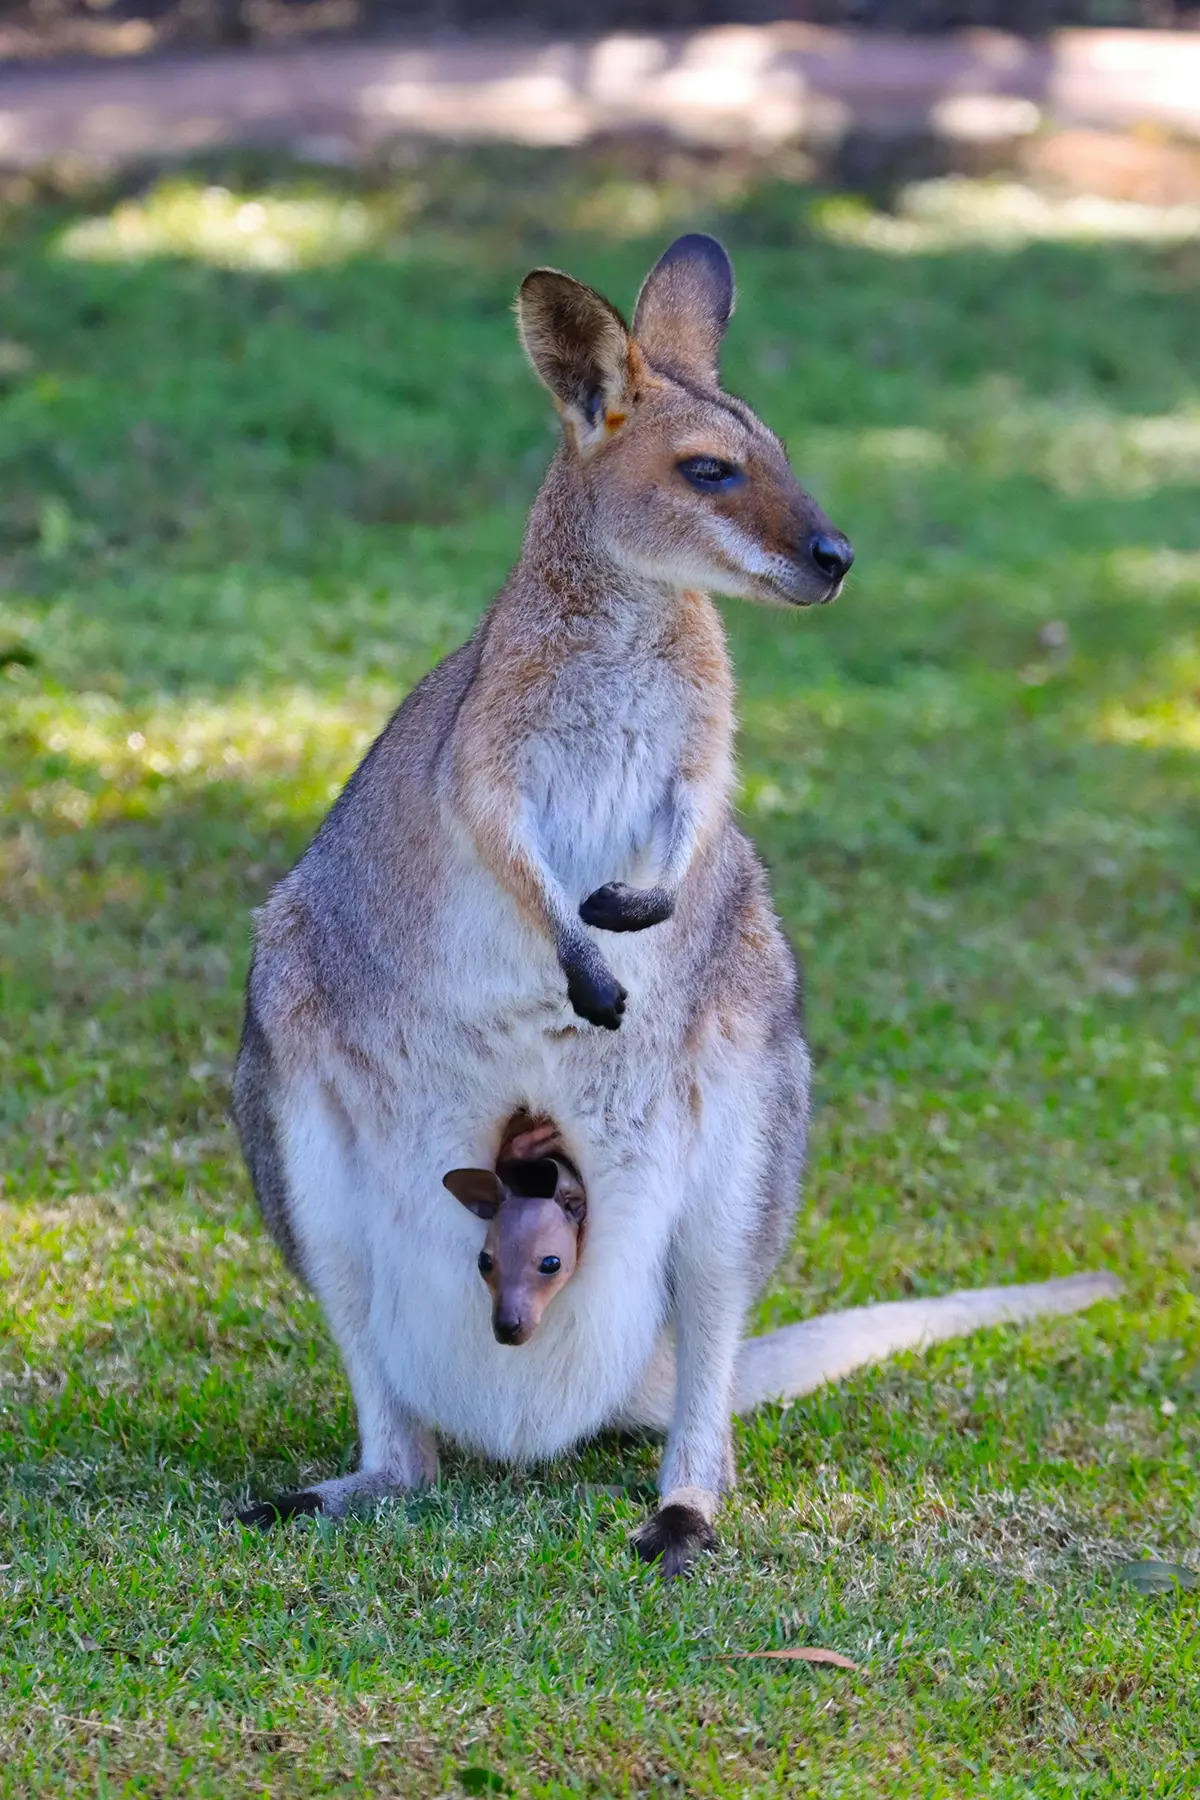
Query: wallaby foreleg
x,y
679,828
507,839
592,988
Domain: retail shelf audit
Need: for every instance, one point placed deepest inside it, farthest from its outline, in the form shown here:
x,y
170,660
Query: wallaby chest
x,y
598,771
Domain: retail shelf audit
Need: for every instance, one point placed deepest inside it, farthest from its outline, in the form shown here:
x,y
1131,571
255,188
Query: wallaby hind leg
x,y
711,1284
697,1466
395,1452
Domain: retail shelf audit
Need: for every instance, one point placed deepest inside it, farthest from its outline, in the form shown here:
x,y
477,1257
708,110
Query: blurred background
x,y
138,24
267,443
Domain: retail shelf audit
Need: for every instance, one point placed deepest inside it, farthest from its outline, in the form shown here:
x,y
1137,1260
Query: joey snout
x,y
512,1321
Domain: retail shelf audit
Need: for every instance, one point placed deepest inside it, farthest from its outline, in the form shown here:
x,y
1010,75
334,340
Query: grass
x,y
258,469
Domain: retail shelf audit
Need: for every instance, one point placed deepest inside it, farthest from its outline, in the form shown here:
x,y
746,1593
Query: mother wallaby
x,y
532,894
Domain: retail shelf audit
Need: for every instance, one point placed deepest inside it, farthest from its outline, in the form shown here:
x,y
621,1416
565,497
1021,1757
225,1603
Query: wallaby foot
x,y
617,907
674,1538
267,1513
334,1499
595,993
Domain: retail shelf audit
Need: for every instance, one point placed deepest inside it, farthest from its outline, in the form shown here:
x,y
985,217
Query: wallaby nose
x,y
507,1327
832,554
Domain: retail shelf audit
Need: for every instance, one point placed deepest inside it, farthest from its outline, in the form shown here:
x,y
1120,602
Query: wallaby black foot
x,y
617,907
596,995
266,1513
674,1538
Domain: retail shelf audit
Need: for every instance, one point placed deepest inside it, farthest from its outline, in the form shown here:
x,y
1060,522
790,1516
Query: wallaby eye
x,y
550,1265
485,1263
709,472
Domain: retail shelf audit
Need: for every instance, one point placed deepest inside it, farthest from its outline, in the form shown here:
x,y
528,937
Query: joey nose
x,y
832,554
507,1327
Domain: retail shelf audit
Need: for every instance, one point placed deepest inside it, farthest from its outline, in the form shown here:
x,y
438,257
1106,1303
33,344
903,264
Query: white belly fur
x,y
431,1318
423,1303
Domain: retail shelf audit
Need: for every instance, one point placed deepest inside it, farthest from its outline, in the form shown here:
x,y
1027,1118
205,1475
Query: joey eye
x,y
485,1263
549,1265
709,472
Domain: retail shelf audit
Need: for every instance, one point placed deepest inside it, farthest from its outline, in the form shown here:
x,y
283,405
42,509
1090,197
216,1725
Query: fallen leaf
x,y
1158,1577
808,1653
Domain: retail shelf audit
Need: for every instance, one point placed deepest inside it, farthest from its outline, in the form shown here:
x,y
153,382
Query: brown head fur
x,y
688,486
534,1211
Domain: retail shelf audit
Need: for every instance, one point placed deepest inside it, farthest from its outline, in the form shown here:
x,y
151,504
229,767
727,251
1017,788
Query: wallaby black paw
x,y
266,1513
618,907
597,996
674,1538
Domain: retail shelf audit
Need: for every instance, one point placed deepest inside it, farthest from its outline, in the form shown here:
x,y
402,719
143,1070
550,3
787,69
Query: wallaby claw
x,y
597,996
618,907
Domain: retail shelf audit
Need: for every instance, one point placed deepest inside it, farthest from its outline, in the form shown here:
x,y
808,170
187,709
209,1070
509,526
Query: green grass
x,y
257,471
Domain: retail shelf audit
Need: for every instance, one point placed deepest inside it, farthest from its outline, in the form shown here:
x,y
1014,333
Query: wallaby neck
x,y
566,566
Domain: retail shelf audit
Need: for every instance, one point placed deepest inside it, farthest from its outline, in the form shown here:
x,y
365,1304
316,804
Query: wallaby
x,y
431,963
535,1208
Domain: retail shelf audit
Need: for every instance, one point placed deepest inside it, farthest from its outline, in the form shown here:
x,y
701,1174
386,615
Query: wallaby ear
x,y
477,1189
581,349
684,306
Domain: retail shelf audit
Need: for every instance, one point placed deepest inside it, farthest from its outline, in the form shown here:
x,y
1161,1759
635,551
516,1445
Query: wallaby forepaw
x,y
618,907
266,1513
597,996
673,1539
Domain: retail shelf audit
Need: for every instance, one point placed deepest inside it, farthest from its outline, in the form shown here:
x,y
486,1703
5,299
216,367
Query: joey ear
x,y
580,348
684,306
477,1189
534,1179
572,1199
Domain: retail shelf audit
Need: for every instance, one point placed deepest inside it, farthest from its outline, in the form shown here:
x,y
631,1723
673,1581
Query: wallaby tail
x,y
797,1358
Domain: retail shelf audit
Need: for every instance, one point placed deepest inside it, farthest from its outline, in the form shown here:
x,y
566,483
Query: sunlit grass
x,y
1157,571
1164,710
956,210
1076,449
254,479
287,225
268,231
159,752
